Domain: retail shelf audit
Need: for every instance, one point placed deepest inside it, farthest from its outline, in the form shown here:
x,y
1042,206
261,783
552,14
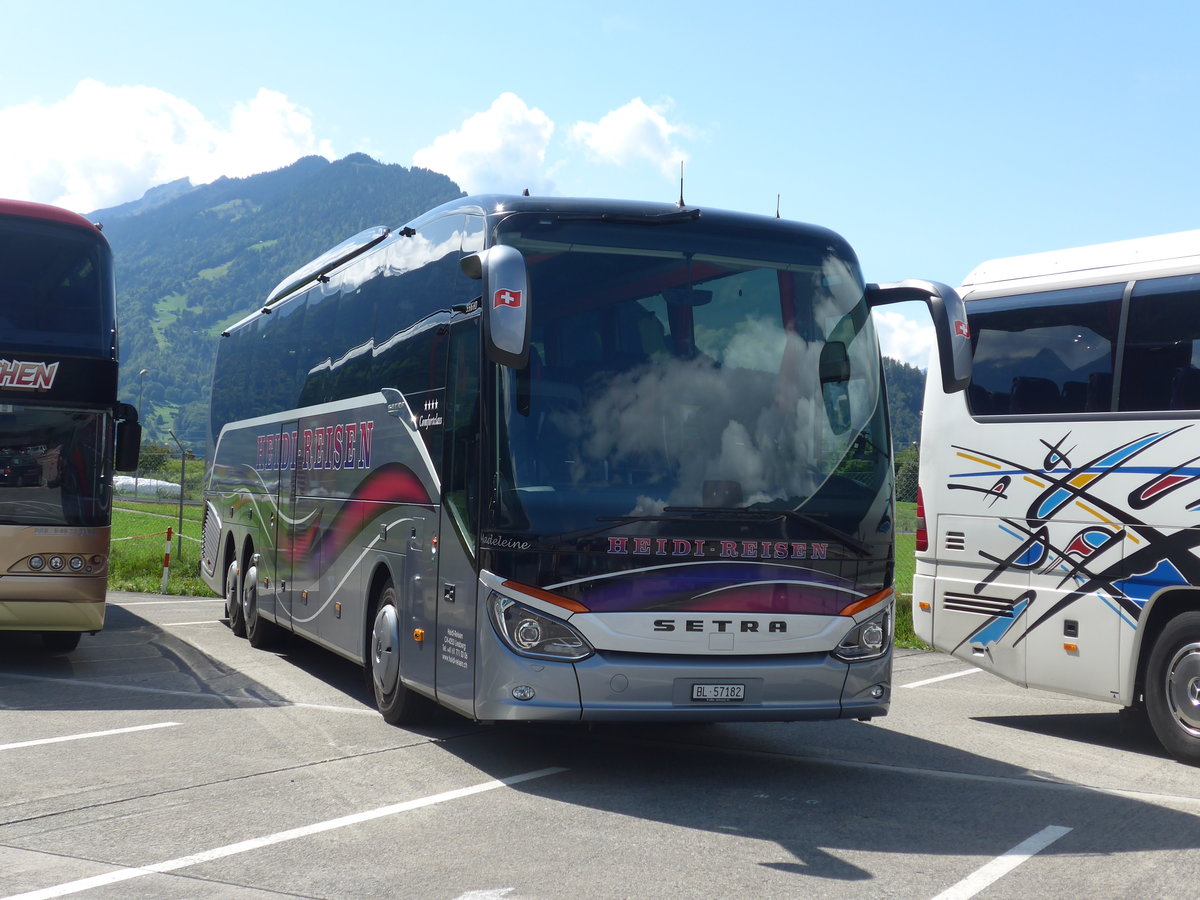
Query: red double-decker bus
x,y
62,431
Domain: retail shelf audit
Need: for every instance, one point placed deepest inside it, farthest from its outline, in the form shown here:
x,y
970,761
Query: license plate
x,y
719,692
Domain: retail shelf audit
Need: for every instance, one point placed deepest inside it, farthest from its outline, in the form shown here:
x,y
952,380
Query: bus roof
x,y
1162,254
26,210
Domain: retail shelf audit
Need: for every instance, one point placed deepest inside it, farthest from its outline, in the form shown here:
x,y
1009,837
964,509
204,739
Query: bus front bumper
x,y
639,687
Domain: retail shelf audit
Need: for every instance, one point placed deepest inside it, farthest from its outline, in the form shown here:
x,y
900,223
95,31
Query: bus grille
x,y
982,606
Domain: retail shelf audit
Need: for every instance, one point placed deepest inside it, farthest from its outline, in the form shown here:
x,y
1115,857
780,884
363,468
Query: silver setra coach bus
x,y
563,459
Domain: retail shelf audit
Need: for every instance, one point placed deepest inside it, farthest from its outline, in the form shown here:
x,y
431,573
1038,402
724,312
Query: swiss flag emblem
x,y
505,297
961,329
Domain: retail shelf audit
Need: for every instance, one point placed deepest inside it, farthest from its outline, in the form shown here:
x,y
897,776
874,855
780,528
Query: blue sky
x,y
931,135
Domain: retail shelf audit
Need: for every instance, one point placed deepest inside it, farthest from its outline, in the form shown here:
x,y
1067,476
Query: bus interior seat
x,y
1099,392
1185,388
1074,396
1031,394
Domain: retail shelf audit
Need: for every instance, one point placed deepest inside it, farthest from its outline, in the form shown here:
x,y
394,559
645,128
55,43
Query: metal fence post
x,y
182,460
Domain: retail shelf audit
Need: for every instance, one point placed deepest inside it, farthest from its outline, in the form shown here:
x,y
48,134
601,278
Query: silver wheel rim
x,y
231,591
1183,688
249,594
385,658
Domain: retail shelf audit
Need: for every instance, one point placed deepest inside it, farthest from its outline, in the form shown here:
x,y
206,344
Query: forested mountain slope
x,y
192,260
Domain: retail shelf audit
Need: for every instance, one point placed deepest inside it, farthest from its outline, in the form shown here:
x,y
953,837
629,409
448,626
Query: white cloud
x,y
104,145
903,338
632,133
502,149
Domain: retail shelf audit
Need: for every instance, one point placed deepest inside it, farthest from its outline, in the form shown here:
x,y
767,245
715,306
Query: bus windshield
x,y
676,373
56,290
55,467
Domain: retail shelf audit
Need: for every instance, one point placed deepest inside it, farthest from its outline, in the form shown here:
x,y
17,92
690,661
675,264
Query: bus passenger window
x,y
1044,353
1161,364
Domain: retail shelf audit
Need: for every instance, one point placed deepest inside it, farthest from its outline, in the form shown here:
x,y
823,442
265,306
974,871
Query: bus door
x,y
300,532
274,570
458,616
1074,642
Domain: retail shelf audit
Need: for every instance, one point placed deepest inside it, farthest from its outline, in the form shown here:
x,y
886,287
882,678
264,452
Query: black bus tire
x,y
1173,687
259,631
396,703
233,600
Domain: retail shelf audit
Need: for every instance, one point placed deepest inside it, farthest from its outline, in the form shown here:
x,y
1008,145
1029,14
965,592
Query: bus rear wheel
x,y
396,703
1173,688
259,631
233,600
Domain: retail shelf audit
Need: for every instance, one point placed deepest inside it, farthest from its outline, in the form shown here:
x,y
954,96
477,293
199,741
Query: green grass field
x,y
139,538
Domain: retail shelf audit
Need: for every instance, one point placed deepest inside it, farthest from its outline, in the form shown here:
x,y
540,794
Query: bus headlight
x,y
531,633
867,640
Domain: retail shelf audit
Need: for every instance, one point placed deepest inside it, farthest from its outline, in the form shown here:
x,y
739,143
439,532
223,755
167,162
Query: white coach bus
x,y
570,460
1060,493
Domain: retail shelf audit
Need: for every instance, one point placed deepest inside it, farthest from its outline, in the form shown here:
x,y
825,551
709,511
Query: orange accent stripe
x,y
866,603
982,462
556,599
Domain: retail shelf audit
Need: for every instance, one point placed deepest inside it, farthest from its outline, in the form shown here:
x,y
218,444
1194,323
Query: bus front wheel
x,y
1173,688
396,703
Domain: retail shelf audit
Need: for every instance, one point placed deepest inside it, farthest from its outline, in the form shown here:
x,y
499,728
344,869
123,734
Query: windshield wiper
x,y
757,515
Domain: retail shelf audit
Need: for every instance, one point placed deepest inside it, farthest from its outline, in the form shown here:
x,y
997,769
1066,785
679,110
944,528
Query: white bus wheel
x,y
259,631
233,600
396,703
1173,688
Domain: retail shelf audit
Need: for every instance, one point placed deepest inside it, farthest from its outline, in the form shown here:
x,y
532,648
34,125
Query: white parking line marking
x,y
85,884
165,602
90,734
198,622
941,678
1002,865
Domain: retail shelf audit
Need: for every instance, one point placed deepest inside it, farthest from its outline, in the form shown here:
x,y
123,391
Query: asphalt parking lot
x,y
167,758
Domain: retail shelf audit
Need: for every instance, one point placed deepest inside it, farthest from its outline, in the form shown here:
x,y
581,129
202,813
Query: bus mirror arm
x,y
505,301
949,314
398,408
129,438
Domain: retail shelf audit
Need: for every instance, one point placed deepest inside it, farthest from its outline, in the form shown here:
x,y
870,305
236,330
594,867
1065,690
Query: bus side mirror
x,y
506,319
949,314
835,378
129,438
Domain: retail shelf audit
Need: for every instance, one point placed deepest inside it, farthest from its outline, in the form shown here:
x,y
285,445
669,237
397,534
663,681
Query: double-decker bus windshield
x,y
55,289
675,372
55,467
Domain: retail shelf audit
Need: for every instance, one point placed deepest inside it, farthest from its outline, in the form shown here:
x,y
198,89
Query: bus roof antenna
x,y
777,206
681,203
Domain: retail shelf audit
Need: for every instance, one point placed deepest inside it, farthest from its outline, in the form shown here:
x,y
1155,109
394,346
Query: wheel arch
x,y
381,574
1161,609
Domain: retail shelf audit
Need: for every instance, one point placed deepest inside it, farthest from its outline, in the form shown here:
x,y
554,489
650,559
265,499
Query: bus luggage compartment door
x,y
981,607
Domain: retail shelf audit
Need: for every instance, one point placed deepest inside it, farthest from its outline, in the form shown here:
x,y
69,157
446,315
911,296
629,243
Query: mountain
x,y
191,260
906,394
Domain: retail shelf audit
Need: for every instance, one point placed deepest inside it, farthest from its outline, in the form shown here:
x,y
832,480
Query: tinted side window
x,y
1160,369
1050,352
416,285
